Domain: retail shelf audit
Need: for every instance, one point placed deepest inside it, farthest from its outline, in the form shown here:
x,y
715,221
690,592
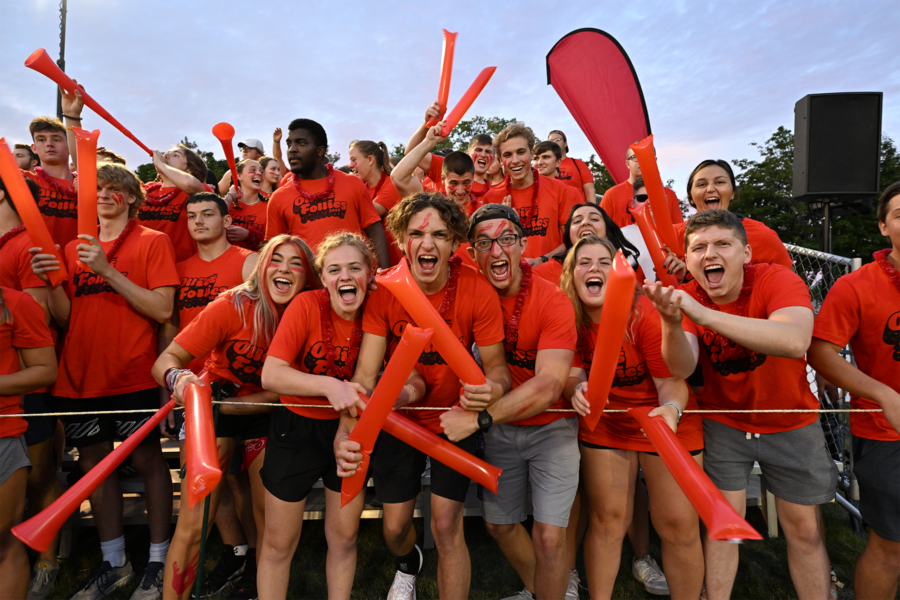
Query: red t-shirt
x,y
765,244
574,173
346,208
221,332
615,203
299,342
171,219
547,322
387,197
252,218
28,329
863,309
543,230
474,316
15,263
757,381
550,271
201,281
640,360
59,208
110,347
476,194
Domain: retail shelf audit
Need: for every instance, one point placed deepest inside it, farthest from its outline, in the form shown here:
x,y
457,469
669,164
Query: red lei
x,y
374,193
513,325
315,197
534,195
50,182
11,234
728,349
162,200
327,325
450,288
117,243
887,267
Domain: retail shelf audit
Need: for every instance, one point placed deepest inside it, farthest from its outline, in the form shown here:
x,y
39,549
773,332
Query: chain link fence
x,y
820,270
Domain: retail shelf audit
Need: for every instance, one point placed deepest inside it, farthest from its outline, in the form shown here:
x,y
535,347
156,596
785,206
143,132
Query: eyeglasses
x,y
631,158
484,244
640,197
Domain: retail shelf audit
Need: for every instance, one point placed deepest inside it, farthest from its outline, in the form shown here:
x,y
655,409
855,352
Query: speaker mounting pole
x,y
826,225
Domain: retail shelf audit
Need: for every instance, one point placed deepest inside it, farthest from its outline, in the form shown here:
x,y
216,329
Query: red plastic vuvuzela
x,y
657,254
397,371
29,212
399,281
656,193
459,111
446,72
617,303
203,472
86,143
225,134
41,62
721,520
38,531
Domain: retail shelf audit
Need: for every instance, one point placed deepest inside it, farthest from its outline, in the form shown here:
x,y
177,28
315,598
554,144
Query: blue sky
x,y
716,76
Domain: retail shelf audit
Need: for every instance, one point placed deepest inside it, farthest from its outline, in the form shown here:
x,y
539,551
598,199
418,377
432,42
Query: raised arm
x,y
276,151
184,181
72,105
432,111
403,175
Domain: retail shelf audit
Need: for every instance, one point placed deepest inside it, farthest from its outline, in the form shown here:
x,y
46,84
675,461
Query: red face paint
x,y
425,222
118,198
182,581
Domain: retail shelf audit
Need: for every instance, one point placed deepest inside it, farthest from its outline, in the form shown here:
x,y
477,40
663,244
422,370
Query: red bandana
x,y
11,234
374,191
68,194
315,197
534,194
327,325
512,327
161,200
729,350
887,267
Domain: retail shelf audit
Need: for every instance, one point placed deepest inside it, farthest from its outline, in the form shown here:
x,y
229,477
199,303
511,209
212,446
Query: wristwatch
x,y
485,420
544,258
678,408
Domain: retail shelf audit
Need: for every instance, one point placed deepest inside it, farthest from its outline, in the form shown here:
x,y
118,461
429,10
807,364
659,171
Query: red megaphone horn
x,y
225,133
38,531
41,62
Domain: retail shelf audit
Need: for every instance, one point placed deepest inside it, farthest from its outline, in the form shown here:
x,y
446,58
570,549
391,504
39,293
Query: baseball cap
x,y
489,212
252,143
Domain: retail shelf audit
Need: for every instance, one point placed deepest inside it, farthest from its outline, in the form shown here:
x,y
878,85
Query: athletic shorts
x,y
796,464
300,451
40,427
544,458
13,456
397,470
87,430
246,427
876,465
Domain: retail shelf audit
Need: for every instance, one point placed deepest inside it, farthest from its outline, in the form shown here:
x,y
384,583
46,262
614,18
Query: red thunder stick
x,y
225,134
86,143
617,303
657,254
29,212
721,520
41,62
446,72
646,158
459,111
203,472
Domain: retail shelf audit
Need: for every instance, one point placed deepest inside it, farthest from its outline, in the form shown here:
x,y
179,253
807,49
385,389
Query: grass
x,y
763,570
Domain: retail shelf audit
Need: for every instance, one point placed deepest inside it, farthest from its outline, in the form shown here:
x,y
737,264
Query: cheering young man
x,y
120,288
532,446
318,199
755,322
57,201
430,229
540,201
863,309
547,161
616,200
573,171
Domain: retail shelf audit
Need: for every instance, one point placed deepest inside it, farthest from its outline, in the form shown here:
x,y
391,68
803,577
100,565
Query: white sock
x,y
241,550
114,552
158,552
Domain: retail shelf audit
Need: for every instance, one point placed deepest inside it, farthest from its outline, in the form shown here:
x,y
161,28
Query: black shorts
x,y
599,447
876,465
246,427
87,430
40,426
299,452
397,469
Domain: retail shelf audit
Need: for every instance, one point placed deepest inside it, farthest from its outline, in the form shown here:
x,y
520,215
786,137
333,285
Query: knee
x,y
279,544
885,552
498,531
804,531
148,461
446,529
396,530
548,541
678,529
341,540
609,524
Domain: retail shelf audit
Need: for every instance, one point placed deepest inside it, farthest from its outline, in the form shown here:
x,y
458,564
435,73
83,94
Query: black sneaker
x,y
245,588
151,585
104,581
226,572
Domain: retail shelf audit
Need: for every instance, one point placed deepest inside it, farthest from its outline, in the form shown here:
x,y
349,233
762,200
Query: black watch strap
x,y
485,420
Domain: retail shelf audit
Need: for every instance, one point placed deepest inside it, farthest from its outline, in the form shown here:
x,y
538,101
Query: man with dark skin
x,y
318,200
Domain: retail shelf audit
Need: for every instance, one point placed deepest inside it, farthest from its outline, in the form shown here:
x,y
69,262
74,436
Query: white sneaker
x,y
104,581
572,587
523,595
648,572
404,585
42,579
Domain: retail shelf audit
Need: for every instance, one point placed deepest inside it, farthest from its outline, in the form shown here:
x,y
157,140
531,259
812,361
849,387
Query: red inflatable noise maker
x,y
721,520
654,247
202,473
656,192
446,73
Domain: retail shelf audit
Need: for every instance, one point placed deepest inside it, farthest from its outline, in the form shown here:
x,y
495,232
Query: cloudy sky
x,y
716,76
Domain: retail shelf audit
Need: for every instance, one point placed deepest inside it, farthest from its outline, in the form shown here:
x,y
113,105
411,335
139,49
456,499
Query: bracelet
x,y
678,408
172,376
166,377
71,117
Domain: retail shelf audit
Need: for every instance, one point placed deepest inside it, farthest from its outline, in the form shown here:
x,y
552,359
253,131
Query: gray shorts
x,y
13,456
796,464
547,456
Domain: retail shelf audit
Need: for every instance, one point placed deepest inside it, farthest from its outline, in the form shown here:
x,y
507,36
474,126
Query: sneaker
x,y
648,572
43,576
404,585
572,587
150,587
245,587
227,571
105,580
524,595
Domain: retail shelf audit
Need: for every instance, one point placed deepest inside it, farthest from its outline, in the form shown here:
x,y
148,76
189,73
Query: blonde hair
x,y
513,130
379,150
344,238
265,317
110,174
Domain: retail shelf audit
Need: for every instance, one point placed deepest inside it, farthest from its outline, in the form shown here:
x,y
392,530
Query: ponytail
x,y
378,150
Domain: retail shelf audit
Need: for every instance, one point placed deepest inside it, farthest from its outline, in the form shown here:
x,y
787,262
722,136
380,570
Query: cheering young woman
x,y
248,209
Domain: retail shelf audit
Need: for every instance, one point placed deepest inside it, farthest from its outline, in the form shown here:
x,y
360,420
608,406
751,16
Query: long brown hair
x,y
5,315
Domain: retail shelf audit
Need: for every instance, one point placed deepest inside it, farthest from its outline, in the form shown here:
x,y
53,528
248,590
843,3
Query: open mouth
x,y
282,285
712,203
714,274
257,180
586,231
500,269
516,169
428,263
481,162
347,293
594,286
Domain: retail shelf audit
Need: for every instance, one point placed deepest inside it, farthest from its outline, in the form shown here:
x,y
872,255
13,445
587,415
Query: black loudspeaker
x,y
837,145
